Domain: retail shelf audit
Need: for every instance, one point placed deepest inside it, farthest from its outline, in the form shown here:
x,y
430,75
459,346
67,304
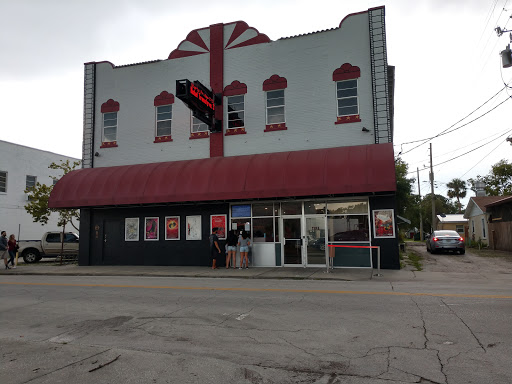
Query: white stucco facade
x,y
16,162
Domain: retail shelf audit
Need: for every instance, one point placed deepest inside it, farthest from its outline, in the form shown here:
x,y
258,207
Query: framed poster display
x,y
383,224
172,228
151,229
220,222
131,229
193,228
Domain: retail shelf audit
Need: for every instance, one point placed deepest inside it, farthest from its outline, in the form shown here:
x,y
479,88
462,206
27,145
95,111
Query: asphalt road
x,y
94,329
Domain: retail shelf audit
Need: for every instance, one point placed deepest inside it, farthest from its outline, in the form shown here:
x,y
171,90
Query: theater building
x,y
300,154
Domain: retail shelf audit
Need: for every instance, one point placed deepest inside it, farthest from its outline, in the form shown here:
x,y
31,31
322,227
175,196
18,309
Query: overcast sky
x,y
446,55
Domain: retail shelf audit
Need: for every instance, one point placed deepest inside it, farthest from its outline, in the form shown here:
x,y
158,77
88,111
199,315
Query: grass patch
x,y
411,258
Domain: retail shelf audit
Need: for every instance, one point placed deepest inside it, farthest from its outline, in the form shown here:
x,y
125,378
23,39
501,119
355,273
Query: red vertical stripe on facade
x,y
217,82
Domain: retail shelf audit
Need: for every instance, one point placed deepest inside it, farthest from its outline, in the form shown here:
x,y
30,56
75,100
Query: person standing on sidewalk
x,y
12,247
231,249
214,247
244,242
3,248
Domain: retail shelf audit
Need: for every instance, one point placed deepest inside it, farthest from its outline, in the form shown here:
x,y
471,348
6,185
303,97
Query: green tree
x,y
40,193
498,182
442,206
404,201
458,190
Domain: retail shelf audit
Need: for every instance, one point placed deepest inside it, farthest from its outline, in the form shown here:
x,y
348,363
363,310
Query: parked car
x,y
318,243
49,246
446,241
354,235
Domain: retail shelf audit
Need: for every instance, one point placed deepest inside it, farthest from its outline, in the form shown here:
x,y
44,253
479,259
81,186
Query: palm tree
x,y
457,191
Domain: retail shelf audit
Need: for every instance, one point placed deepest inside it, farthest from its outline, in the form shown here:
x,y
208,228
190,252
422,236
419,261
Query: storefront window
x,y
241,225
241,210
349,207
292,208
311,208
262,209
276,228
348,228
263,230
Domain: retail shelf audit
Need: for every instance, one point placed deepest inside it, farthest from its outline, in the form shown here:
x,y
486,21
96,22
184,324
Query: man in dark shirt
x,y
214,247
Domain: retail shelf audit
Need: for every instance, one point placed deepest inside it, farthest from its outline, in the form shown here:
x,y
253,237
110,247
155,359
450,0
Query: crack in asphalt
x,y
467,326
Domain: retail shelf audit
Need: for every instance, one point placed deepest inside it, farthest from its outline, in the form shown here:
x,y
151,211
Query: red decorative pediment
x,y
238,34
275,82
164,98
110,106
345,72
235,88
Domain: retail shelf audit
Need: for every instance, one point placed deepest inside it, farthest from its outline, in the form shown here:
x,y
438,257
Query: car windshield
x,y
446,233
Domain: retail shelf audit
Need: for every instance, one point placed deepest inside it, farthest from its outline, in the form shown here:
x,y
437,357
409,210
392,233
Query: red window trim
x,y
347,71
110,106
162,139
235,88
108,144
164,98
199,135
275,82
235,131
348,119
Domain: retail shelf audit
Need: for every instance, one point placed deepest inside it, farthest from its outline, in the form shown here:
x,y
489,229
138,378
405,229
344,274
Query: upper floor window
x,y
347,102
163,120
236,111
198,125
275,103
30,182
163,116
275,107
109,127
109,110
3,181
235,97
346,94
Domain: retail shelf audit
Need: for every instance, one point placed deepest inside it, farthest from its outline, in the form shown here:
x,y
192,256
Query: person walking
x,y
231,243
214,247
4,254
12,247
244,242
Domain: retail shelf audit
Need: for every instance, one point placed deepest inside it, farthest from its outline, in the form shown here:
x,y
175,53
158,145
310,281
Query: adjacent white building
x,y
22,167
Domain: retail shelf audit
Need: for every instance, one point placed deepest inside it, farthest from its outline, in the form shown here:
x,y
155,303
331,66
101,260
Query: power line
x,y
447,131
474,149
482,159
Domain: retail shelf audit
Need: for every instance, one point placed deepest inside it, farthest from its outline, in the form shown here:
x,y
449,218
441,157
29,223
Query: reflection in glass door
x,y
315,234
292,241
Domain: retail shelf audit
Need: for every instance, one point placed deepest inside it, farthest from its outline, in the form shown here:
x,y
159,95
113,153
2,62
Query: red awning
x,y
332,171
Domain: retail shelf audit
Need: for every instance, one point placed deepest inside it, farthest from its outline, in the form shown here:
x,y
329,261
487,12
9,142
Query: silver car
x,y
446,241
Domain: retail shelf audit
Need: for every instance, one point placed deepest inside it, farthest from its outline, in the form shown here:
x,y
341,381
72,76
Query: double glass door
x,y
304,241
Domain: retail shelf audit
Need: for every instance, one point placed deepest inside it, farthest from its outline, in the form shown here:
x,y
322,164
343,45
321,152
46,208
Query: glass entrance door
x,y
292,234
315,235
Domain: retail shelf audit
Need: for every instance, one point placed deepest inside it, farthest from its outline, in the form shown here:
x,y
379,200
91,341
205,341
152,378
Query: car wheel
x,y
31,256
322,247
462,251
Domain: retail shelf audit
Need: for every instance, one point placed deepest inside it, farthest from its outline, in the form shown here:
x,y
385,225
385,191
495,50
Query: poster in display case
x,y
193,229
383,223
131,229
172,228
151,229
219,222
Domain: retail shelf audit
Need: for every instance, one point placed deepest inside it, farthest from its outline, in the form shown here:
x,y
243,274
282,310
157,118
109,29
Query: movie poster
x,y
193,228
151,232
383,223
131,229
172,228
219,221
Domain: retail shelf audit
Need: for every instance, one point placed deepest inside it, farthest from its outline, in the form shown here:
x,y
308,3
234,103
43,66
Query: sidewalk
x,y
284,273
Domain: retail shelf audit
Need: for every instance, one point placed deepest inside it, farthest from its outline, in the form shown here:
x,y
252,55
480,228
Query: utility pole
x,y
419,192
432,191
